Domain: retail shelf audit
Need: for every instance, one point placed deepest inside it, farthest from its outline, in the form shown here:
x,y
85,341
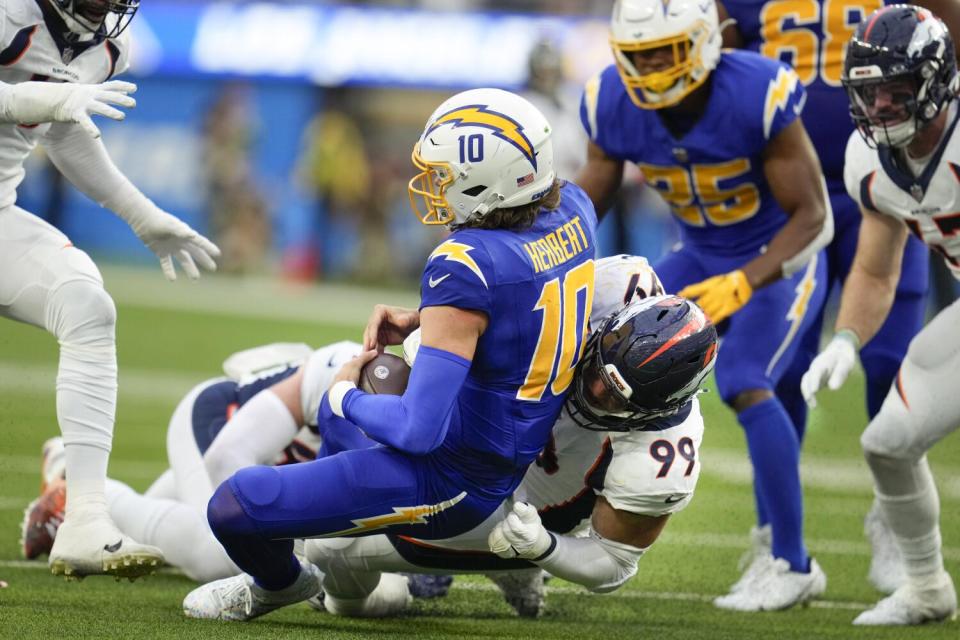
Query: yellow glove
x,y
720,296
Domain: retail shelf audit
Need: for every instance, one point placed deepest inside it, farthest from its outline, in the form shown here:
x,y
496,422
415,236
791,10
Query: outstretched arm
x,y
867,297
37,102
85,162
601,562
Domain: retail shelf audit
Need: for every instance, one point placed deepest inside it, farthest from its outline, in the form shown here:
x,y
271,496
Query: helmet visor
x,y
427,188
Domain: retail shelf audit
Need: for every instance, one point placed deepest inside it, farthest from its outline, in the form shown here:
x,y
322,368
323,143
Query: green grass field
x,y
172,336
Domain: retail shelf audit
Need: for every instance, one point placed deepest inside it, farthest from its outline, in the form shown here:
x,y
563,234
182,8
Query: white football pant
x,y
47,282
922,407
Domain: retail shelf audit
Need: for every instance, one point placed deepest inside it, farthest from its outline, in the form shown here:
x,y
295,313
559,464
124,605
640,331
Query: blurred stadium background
x,y
283,130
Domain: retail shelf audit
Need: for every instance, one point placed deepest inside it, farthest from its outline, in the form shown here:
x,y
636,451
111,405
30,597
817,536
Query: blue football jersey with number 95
x,y
536,288
711,177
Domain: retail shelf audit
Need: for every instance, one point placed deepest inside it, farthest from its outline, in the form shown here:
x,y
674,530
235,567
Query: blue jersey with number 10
x,y
536,288
712,177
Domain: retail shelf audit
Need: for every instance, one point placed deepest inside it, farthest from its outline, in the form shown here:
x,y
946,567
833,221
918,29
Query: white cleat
x,y
932,600
238,599
88,543
776,587
523,590
887,572
391,597
755,557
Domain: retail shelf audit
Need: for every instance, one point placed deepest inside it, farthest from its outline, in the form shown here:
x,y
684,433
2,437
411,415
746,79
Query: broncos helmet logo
x,y
503,127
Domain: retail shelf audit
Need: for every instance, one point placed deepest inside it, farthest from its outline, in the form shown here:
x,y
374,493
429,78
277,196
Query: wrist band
x,y
850,336
337,393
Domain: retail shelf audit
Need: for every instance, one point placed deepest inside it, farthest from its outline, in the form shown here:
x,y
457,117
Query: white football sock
x,y
911,507
82,316
179,531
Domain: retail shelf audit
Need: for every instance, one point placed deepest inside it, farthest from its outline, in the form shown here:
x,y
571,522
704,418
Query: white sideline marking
x,y
460,585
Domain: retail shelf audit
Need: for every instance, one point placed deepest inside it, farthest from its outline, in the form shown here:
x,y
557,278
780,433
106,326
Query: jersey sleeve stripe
x,y
114,52
18,46
865,198
591,96
955,169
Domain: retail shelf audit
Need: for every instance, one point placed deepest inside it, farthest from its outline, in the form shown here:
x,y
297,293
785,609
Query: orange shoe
x,y
41,519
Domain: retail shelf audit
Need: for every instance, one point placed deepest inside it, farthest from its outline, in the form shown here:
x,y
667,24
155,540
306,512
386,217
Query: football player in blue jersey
x,y
813,36
504,307
719,136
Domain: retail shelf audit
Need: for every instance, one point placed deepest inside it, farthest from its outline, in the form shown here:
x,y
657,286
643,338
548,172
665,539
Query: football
x,y
386,373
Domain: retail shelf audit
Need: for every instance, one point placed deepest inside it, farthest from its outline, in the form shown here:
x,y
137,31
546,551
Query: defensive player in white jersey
x,y
623,457
900,72
47,282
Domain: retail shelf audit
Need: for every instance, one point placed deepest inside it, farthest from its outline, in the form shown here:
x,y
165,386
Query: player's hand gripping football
x,y
831,366
520,534
171,238
720,296
389,325
36,102
350,371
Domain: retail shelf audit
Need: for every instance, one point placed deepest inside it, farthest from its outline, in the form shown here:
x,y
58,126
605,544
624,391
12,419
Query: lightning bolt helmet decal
x,y
502,125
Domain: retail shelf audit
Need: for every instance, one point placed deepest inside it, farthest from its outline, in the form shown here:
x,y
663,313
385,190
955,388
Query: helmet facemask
x,y
601,398
906,108
666,87
427,189
85,17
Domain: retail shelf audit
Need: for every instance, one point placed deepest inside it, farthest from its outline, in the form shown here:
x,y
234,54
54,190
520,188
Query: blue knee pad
x,y
254,485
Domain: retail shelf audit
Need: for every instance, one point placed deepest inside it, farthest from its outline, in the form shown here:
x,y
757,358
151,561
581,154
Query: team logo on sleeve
x,y
503,127
400,516
457,252
779,92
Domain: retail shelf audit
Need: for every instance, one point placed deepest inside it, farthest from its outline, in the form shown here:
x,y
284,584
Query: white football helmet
x,y
689,27
621,280
481,150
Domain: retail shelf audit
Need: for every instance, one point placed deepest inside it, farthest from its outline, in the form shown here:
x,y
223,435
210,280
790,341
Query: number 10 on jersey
x,y
560,329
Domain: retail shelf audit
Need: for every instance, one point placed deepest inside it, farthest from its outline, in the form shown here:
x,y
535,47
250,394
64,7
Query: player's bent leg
x,y
258,511
921,408
82,316
178,530
747,372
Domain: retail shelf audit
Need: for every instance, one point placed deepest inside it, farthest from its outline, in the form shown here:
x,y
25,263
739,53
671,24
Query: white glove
x,y
520,534
169,238
37,102
832,366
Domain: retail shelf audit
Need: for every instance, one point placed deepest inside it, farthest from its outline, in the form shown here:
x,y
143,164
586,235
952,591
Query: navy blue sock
x,y
270,562
775,453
